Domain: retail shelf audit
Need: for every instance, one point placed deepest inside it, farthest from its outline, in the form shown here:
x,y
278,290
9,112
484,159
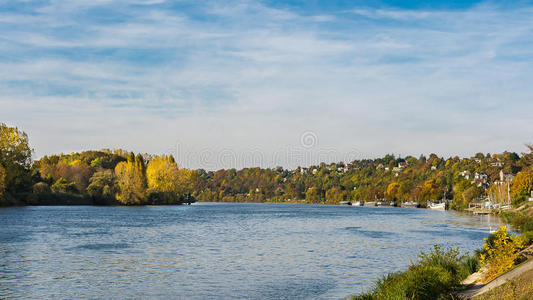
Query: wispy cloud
x,y
239,74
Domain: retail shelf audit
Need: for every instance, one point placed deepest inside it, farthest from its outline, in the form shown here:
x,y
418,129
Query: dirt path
x,y
502,279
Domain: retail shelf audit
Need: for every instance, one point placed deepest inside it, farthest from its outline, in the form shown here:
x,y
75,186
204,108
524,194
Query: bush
x,y
500,252
41,188
436,274
528,226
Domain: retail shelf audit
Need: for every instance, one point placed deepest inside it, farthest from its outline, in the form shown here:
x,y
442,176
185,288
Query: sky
x,y
232,84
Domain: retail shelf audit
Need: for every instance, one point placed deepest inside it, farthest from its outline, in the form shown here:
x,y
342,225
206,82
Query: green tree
x,y
102,186
15,158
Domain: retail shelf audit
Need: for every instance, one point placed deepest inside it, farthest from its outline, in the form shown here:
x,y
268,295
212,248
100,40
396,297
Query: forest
x,y
119,177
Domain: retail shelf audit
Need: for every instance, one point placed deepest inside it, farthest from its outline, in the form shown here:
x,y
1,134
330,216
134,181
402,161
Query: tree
x,y
2,182
392,191
131,182
166,182
522,186
102,186
15,158
312,195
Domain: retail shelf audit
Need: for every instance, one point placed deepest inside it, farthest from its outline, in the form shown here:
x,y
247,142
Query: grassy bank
x,y
436,275
439,273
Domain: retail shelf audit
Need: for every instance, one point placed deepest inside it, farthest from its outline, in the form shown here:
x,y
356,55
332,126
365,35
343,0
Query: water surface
x,y
209,251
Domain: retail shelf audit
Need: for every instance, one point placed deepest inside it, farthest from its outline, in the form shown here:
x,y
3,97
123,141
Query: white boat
x,y
357,203
410,204
437,206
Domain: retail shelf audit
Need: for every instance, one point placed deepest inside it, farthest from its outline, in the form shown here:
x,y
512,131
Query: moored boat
x,y
410,204
437,206
370,203
383,203
357,203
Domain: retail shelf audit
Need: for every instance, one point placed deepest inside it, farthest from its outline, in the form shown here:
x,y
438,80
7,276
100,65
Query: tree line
x,y
119,177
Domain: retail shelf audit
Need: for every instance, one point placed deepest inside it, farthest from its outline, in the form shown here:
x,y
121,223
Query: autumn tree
x,y
15,159
312,195
522,185
131,182
166,182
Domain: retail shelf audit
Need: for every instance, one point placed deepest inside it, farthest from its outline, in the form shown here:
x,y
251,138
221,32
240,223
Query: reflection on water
x,y
253,251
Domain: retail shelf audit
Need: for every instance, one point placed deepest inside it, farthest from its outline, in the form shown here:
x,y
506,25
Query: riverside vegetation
x,y
120,177
439,273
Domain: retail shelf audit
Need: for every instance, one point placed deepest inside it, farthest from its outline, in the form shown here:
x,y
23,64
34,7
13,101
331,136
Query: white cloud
x,y
246,76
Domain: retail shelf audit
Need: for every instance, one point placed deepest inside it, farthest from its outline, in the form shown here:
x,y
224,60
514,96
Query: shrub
x,y
41,188
528,226
436,274
500,252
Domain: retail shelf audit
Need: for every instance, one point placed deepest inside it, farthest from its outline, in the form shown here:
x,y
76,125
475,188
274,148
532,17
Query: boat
x,y
437,206
357,203
345,203
410,204
370,203
382,203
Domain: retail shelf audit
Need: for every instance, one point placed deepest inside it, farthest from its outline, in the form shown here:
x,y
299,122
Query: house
x,y
481,177
506,176
402,164
380,166
481,180
433,168
497,164
465,174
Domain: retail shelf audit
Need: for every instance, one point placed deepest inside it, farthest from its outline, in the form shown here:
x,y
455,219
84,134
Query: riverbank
x,y
506,261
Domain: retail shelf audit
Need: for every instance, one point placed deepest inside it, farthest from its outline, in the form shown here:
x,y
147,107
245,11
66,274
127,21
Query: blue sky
x,y
230,78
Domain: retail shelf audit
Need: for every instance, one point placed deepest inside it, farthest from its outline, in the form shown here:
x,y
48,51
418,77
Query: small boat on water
x,y
382,203
345,203
357,203
370,203
437,206
410,204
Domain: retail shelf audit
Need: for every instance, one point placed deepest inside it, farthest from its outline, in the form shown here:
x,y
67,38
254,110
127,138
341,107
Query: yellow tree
x,y
131,182
522,185
392,190
166,182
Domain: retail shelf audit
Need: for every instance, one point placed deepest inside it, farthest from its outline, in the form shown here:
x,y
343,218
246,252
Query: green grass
x,y
436,275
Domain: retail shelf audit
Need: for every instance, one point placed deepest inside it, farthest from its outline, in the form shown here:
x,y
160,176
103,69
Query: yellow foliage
x,y
76,162
164,176
500,252
131,182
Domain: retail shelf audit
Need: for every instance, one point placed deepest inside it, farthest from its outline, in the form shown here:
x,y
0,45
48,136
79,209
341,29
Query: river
x,y
217,250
